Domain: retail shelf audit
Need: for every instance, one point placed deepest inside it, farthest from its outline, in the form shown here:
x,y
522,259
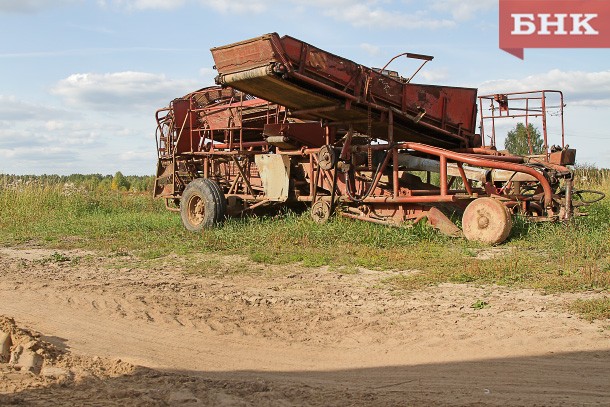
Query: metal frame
x,y
221,153
529,105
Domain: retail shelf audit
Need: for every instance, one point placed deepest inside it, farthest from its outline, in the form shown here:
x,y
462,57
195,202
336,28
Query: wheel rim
x,y
196,210
486,220
320,211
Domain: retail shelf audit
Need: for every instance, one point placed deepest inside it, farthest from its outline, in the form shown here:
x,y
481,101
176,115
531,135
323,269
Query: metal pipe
x,y
563,143
170,208
246,144
568,199
411,199
522,93
312,186
443,180
256,205
364,218
315,110
544,129
504,158
481,162
465,180
481,123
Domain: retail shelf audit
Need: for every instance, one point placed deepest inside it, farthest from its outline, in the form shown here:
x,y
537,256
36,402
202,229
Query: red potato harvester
x,y
290,123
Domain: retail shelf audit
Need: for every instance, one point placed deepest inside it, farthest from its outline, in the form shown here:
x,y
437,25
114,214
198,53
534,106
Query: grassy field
x,y
551,257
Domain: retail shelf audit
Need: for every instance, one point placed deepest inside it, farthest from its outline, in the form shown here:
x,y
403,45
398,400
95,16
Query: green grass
x,y
593,309
552,257
479,304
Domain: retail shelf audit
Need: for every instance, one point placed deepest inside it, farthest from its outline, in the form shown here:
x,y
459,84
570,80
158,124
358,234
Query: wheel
x,y
202,205
327,158
486,220
320,211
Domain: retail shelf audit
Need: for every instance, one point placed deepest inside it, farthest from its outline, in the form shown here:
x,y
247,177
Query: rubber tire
x,y
214,203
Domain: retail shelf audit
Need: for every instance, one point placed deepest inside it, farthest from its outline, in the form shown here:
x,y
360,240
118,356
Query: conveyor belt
x,y
317,85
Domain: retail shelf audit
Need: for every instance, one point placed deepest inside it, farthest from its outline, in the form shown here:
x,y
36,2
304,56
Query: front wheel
x,y
487,220
202,205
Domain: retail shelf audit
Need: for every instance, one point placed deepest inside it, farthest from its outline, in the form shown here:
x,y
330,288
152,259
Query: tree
x,y
517,140
119,182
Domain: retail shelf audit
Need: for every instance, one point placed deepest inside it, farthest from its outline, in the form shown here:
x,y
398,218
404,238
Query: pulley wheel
x,y
327,158
487,220
320,211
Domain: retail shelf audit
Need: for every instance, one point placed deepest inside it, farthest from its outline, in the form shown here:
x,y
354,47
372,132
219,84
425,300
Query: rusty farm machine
x,y
289,123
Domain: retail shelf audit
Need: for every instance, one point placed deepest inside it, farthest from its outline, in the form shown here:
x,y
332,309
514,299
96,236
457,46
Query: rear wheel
x,y
487,220
202,205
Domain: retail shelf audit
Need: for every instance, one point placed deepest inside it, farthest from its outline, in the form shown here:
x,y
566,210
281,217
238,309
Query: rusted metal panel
x,y
245,55
309,134
563,157
445,104
186,120
319,63
181,112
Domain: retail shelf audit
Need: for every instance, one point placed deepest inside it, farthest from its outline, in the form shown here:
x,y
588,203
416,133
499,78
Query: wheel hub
x,y
196,210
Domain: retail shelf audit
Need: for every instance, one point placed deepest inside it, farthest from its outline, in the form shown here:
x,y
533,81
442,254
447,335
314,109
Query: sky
x,y
80,80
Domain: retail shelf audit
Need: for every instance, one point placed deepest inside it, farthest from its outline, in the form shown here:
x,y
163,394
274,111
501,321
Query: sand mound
x,y
27,360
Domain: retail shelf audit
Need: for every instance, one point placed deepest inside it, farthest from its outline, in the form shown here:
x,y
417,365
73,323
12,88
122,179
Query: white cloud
x,y
31,6
79,52
432,75
236,6
463,10
121,91
399,14
364,14
89,145
52,134
131,156
208,75
579,88
358,13
142,4
222,6
34,153
13,109
370,49
92,28
158,4
38,139
41,160
53,125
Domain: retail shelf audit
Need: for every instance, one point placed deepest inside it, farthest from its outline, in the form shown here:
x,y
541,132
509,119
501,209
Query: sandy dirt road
x,y
122,332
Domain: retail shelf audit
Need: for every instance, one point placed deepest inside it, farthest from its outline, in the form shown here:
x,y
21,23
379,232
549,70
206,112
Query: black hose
x,y
350,194
579,193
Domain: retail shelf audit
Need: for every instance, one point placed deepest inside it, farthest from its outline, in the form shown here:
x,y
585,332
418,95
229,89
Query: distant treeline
x,y
585,175
89,182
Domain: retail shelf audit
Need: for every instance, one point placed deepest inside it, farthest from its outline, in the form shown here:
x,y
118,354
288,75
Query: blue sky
x,y
81,79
